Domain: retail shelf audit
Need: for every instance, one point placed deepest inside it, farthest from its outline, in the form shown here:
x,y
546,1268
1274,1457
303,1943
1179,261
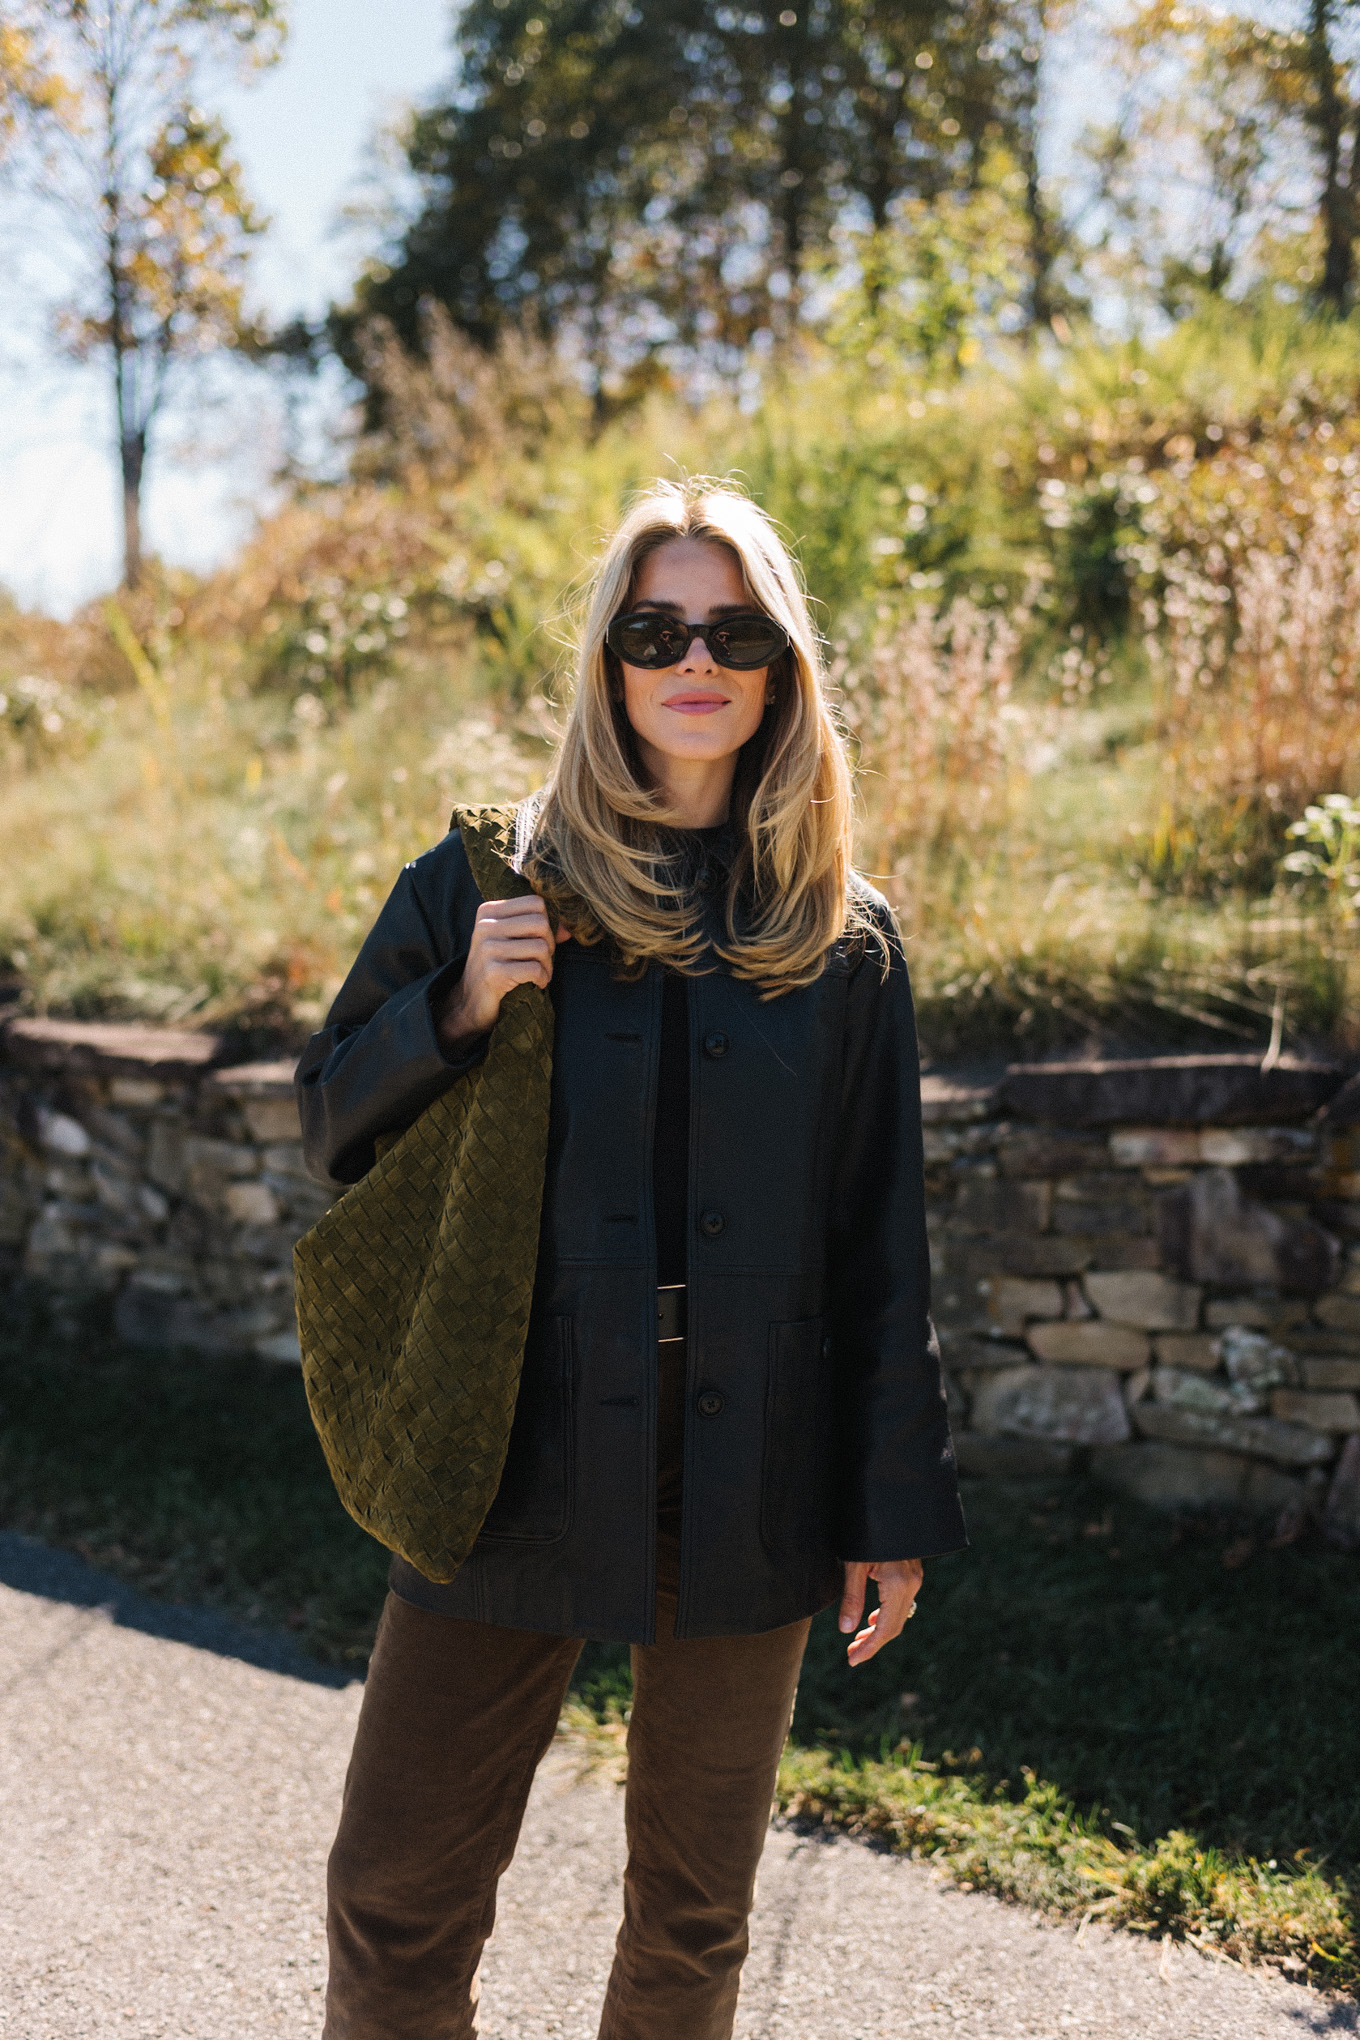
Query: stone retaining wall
x,y
1153,1269
1149,1269
135,1169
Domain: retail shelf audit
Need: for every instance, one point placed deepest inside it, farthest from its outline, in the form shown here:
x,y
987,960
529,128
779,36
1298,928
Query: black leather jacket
x,y
815,1426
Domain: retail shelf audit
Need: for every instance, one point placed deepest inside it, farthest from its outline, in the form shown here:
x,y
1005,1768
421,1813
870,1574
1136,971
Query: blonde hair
x,y
599,853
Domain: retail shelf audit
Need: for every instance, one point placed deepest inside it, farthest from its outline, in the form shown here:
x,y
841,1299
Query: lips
x,y
696,702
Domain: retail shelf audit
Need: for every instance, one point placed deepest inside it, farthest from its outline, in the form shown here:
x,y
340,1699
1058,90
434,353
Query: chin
x,y
704,757
707,749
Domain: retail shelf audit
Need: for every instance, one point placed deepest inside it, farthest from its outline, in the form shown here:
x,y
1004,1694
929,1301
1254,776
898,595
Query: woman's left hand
x,y
899,1582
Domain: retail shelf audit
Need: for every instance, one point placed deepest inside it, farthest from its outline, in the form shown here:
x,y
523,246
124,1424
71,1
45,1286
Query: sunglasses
x,y
642,638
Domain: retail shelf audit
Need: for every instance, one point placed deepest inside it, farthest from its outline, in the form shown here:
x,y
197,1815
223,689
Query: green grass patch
x,y
1092,1713
1034,1846
195,1481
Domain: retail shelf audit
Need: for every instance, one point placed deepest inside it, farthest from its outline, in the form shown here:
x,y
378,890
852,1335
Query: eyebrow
x,y
718,609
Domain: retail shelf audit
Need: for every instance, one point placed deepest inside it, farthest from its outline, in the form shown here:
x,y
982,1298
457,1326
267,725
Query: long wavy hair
x,y
600,853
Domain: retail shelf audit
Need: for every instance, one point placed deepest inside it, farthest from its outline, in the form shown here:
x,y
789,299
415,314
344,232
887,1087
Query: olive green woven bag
x,y
413,1291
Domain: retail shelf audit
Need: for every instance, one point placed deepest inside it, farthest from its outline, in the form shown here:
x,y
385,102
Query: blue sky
x,y
303,130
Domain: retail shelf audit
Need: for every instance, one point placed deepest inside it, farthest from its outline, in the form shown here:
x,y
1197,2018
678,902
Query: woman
x,y
730,1411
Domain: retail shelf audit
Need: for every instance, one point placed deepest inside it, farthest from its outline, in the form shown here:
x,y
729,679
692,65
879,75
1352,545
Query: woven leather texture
x,y
413,1291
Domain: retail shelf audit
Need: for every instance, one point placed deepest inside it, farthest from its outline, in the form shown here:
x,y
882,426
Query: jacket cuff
x,y
925,1520
436,993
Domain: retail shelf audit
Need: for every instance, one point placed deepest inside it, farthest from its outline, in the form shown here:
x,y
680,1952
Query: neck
x,y
698,789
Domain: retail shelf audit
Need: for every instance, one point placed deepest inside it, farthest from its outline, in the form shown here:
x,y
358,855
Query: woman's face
x,y
696,710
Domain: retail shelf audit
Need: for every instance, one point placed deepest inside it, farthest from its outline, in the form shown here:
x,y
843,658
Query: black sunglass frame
x,y
709,633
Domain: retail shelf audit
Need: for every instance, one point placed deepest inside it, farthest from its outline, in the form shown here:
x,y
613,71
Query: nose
x,y
697,653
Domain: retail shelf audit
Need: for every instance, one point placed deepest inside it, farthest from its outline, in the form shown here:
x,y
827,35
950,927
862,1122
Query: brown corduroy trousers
x,y
455,1718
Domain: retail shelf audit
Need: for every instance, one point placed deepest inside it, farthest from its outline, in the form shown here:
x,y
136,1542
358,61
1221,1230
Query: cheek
x,y
752,704
636,695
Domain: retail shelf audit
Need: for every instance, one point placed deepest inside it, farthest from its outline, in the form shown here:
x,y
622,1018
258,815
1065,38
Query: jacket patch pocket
x,y
796,1475
533,1502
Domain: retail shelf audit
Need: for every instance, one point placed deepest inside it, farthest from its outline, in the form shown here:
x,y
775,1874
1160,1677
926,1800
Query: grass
x,y
1147,1733
1093,1713
194,1482
1030,1844
285,832
1076,776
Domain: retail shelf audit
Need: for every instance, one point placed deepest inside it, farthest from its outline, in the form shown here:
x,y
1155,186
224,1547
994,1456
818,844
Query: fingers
x,y
527,907
512,944
852,1600
899,1582
514,957
868,1642
523,920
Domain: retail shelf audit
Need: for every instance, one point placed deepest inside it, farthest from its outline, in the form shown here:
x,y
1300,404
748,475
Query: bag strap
x,y
489,838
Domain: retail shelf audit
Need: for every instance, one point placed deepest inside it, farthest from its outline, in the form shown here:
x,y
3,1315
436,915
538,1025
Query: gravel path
x,y
168,1789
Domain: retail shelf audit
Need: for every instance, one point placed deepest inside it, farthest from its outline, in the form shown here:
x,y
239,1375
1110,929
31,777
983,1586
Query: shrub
x,y
1258,664
1332,832
41,720
972,545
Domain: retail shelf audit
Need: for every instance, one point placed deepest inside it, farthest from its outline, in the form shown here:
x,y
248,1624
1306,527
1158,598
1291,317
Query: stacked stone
x,y
1175,1305
136,1170
1149,1269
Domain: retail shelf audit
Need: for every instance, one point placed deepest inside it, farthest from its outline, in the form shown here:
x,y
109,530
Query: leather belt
x,y
670,1313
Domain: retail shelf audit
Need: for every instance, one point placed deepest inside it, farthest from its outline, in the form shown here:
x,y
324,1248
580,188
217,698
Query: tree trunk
x,y
1040,249
133,451
1039,226
1335,204
793,181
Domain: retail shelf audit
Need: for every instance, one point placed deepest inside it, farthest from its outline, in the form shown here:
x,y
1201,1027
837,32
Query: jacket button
x,y
712,1223
715,1046
710,1403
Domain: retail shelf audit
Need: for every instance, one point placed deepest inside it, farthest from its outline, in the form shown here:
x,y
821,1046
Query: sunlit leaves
x,y
179,263
31,87
671,184
154,218
1237,138
928,288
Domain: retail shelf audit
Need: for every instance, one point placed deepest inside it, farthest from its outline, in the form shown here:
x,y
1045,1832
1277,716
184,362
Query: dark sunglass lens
x,y
749,640
645,640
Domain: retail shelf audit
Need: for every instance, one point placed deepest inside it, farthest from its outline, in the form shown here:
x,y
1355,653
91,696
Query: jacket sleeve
x,y
899,1487
377,1062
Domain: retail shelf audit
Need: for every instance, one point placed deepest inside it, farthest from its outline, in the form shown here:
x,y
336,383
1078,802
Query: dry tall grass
x,y
1258,657
999,817
940,735
219,818
217,857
